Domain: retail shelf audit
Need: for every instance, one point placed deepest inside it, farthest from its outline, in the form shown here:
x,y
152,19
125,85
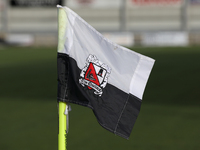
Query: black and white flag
x,y
94,72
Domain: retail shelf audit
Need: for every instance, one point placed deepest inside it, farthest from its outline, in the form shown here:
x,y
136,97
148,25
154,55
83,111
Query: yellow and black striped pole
x,y
62,107
62,133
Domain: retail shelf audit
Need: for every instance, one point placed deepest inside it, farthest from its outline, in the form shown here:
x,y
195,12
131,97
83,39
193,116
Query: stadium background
x,y
166,30
35,21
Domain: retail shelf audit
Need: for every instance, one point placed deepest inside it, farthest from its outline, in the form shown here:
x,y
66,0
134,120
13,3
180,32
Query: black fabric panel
x,y
69,90
62,72
129,115
115,110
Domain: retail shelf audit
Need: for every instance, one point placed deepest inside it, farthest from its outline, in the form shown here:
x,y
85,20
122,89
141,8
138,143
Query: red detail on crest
x,y
91,75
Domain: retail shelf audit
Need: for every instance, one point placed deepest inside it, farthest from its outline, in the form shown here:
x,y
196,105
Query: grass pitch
x,y
169,117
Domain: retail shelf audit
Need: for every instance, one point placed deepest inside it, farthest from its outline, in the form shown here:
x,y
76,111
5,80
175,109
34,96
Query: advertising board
x,y
155,2
35,3
195,2
165,39
94,3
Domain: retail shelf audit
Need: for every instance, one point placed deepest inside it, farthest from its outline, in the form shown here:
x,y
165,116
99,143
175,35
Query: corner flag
x,y
99,74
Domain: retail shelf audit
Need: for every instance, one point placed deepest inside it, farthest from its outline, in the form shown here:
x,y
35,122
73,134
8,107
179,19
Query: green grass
x,y
169,117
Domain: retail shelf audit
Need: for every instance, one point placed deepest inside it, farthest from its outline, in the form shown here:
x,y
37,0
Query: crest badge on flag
x,y
94,75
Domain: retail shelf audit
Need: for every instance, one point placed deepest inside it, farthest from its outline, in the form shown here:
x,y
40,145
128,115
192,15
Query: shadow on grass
x,y
174,79
29,81
28,73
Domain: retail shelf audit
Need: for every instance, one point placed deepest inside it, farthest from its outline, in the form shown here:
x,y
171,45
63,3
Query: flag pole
x,y
62,133
62,106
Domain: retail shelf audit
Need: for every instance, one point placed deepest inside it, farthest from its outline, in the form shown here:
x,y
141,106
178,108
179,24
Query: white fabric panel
x,y
141,76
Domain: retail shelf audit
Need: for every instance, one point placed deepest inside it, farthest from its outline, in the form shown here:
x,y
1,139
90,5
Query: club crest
x,y
94,75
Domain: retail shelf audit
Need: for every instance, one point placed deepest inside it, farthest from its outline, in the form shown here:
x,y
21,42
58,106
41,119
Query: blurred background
x,y
35,21
166,30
